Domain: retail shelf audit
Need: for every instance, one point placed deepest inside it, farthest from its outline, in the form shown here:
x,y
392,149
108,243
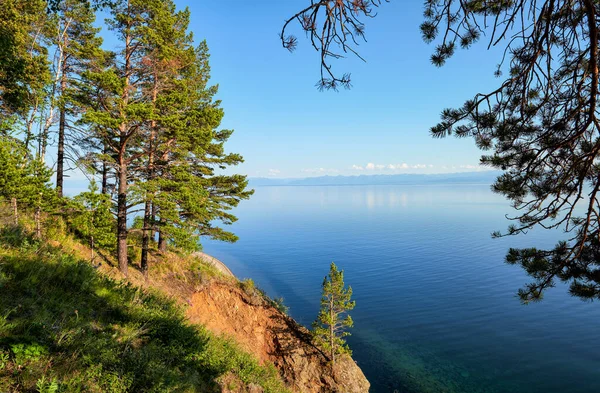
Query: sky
x,y
285,127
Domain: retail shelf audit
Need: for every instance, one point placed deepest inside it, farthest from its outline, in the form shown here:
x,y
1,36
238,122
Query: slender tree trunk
x,y
13,202
122,213
29,130
122,168
60,154
146,239
154,213
146,229
162,241
105,151
331,331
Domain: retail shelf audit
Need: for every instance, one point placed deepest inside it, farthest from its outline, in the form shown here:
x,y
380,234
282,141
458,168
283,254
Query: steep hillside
x,y
73,324
66,327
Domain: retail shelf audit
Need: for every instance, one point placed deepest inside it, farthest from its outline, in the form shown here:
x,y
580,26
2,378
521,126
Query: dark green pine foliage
x,y
23,62
13,159
191,196
540,126
90,215
118,109
25,72
330,327
24,181
168,50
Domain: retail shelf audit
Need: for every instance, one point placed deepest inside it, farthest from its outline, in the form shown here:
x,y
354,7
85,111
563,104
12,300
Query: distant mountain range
x,y
486,177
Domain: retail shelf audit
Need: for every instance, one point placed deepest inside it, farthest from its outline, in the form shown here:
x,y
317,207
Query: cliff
x,y
272,336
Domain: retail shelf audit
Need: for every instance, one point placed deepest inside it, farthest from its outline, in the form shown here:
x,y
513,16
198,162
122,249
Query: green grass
x,y
64,327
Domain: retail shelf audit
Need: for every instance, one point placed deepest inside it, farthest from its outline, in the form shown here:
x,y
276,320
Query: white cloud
x,y
274,172
392,167
405,167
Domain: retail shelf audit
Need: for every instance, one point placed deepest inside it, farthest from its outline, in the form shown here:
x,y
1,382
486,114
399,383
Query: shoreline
x,y
220,266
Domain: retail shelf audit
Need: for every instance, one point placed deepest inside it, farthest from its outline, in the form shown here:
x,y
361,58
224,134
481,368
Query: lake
x,y
436,307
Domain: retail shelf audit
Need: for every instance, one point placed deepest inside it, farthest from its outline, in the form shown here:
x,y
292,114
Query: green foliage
x,y
23,178
70,328
329,327
279,304
13,159
539,126
90,216
248,286
44,386
4,358
191,197
23,61
24,353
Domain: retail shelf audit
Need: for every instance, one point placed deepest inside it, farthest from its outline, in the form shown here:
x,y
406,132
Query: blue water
x,y
436,308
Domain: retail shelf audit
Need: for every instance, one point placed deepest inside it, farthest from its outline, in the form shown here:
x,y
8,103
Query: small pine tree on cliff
x,y
333,319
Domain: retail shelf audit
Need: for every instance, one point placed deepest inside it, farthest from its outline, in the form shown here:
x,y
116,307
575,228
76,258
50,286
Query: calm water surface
x,y
436,308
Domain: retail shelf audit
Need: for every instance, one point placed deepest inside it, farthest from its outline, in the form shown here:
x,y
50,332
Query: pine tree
x,y
191,196
168,52
117,108
13,158
90,215
36,191
333,320
24,180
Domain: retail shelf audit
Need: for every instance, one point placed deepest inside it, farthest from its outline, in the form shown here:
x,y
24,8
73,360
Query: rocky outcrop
x,y
273,337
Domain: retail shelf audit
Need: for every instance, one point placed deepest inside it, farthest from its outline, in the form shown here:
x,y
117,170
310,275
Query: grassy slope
x,y
65,327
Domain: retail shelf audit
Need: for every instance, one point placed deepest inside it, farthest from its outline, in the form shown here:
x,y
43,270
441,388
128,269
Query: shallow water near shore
x,y
436,308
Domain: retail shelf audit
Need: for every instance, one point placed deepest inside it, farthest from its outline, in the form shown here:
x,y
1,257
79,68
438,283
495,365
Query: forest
x,y
140,120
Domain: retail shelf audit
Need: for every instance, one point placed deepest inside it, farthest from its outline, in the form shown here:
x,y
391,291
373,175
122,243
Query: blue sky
x,y
285,127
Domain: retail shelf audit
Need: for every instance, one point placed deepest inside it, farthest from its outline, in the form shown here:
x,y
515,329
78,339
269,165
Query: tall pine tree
x,y
192,196
120,110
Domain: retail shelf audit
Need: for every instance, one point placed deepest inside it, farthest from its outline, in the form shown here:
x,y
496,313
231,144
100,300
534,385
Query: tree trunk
x,y
331,332
60,154
105,151
122,166
153,230
146,228
122,214
92,247
146,239
13,202
162,242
